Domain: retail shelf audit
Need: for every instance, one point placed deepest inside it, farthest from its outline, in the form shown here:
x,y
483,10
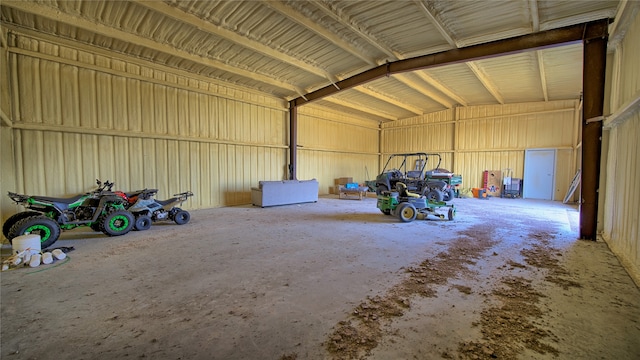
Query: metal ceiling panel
x,y
401,25
515,77
560,78
291,47
399,87
554,13
474,22
460,80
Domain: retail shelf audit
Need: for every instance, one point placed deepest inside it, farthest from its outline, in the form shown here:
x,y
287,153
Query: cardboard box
x,y
492,182
344,180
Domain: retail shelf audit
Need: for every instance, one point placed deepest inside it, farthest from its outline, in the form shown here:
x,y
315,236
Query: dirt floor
x,y
335,279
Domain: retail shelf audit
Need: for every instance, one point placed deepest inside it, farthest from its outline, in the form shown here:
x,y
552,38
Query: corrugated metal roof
x,y
288,48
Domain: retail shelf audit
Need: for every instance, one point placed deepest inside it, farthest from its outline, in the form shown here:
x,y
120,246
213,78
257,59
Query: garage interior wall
x,y
71,114
621,228
332,145
76,116
493,137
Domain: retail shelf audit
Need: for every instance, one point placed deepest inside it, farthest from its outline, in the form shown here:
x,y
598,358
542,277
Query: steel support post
x,y
293,140
593,82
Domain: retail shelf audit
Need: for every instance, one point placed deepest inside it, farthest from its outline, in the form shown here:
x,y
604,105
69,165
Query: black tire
x,y
452,214
6,227
117,222
181,217
380,189
143,222
449,195
48,229
434,195
406,212
386,212
96,226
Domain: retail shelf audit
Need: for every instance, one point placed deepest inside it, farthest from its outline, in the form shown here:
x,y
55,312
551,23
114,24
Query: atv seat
x,y
402,189
67,201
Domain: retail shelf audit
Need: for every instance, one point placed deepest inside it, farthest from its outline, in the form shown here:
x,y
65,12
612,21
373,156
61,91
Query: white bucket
x,y
24,242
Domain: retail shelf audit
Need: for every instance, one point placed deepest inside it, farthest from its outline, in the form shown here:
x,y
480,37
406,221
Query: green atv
x,y
101,209
409,206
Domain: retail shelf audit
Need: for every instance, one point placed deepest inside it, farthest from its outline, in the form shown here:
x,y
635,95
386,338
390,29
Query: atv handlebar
x,y
185,194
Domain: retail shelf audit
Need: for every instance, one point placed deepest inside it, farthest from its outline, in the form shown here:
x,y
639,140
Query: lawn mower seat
x,y
402,189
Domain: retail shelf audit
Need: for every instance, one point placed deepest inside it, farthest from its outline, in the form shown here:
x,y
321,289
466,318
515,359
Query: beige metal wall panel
x,y
7,172
621,228
326,167
477,138
535,125
332,146
426,138
565,170
430,118
81,116
430,133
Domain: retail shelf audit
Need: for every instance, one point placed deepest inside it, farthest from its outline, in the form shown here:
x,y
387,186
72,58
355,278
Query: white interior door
x,y
539,174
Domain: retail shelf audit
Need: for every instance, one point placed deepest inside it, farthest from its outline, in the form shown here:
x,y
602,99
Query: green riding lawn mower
x,y
408,206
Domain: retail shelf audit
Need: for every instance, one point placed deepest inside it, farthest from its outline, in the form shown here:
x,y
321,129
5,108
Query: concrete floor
x,y
335,279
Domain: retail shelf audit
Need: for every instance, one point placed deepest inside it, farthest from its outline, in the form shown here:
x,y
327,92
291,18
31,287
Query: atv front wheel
x,y
143,222
117,222
48,229
6,227
181,217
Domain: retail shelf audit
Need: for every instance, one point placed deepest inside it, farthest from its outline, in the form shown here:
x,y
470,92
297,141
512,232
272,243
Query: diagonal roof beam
x,y
318,29
371,39
97,28
436,23
486,82
364,109
543,75
206,26
535,26
396,102
535,16
541,40
450,39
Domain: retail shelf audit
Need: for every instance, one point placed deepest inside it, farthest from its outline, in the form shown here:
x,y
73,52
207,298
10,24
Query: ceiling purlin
x,y
100,29
576,19
423,75
318,29
206,26
486,81
543,75
365,109
535,17
349,23
535,27
385,98
405,79
475,68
